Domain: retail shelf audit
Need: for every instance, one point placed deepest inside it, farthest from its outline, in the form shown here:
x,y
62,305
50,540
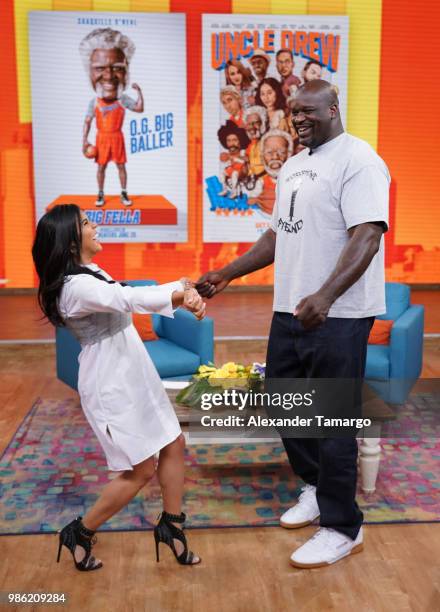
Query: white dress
x,y
121,392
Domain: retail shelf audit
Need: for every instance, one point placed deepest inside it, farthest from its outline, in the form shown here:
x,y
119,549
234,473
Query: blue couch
x,y
392,370
184,344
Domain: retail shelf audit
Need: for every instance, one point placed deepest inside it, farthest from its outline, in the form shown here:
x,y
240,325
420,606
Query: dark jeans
x,y
336,349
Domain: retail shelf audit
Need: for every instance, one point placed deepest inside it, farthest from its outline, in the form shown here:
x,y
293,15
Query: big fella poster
x,y
252,68
109,120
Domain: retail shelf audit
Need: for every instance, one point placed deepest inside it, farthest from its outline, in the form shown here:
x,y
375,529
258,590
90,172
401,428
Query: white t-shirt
x,y
319,197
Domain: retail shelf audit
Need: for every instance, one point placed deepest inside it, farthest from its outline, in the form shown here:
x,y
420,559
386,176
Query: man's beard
x,y
101,93
257,135
272,171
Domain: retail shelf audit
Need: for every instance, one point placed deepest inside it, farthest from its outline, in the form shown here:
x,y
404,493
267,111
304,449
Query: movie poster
x,y
109,120
252,68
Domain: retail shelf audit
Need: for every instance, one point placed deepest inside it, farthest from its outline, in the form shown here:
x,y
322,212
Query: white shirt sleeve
x,y
365,196
83,294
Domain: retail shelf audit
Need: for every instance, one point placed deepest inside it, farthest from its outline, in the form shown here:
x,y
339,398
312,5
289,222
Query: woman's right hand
x,y
193,302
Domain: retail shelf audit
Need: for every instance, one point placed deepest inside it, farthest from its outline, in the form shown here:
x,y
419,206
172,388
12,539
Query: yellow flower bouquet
x,y
210,379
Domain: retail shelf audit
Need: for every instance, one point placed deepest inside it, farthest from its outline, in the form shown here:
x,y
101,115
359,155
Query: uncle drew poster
x,y
252,67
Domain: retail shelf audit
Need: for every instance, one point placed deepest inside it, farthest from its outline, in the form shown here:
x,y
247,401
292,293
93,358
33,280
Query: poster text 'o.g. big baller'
x,y
253,66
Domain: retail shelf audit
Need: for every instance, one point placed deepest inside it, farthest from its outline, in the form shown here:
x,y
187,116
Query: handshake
x,y
206,286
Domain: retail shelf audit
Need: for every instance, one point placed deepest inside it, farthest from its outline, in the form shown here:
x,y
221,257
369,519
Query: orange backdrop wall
x,y
405,115
409,137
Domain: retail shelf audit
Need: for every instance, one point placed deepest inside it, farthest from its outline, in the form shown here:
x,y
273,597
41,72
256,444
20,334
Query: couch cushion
x,y
170,359
397,298
144,326
380,332
378,362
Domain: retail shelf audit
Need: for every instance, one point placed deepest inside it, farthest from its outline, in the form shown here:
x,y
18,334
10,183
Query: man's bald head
x,y
321,89
315,112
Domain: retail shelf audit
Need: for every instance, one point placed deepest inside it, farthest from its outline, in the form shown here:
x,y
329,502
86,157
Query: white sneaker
x,y
304,512
325,547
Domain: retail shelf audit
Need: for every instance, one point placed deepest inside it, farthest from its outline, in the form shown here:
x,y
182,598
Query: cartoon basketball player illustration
x,y
106,55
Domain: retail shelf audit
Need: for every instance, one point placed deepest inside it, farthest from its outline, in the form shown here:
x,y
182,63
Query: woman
x,y
121,393
270,96
241,78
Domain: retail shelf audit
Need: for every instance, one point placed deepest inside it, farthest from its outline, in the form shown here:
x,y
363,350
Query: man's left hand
x,y
135,86
313,310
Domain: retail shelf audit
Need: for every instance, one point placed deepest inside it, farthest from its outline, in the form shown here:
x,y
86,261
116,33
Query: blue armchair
x,y
392,370
183,344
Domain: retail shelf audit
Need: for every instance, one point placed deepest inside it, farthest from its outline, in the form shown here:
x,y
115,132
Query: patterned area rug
x,y
54,467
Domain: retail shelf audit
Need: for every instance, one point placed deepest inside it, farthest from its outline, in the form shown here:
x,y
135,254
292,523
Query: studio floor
x,y
243,569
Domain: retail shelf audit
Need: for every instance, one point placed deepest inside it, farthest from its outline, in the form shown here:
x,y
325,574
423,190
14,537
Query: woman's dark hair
x,y
56,251
280,99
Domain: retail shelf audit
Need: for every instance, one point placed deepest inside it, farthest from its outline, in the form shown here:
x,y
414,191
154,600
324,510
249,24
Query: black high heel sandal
x,y
75,534
166,532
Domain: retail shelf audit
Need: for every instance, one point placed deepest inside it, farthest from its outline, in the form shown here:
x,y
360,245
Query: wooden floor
x,y
243,570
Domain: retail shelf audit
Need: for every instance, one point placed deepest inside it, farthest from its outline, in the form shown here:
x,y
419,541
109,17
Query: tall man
x,y
328,287
106,56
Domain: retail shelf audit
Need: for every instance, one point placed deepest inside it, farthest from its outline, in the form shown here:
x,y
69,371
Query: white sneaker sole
x,y
356,549
297,525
